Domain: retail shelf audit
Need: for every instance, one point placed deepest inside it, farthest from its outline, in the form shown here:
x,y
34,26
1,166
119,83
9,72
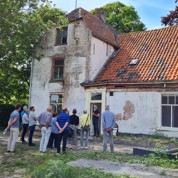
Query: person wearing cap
x,y
13,124
45,124
62,123
108,123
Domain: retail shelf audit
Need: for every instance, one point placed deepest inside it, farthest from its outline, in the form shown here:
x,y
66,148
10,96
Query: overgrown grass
x,y
50,165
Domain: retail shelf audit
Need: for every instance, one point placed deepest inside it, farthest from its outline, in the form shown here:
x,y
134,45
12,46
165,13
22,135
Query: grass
x,y
34,164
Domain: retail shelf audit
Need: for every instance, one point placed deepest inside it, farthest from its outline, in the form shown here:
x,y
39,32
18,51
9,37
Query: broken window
x,y
61,36
57,69
169,111
56,102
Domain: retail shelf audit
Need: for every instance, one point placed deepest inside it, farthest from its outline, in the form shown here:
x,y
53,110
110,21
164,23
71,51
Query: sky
x,y
149,11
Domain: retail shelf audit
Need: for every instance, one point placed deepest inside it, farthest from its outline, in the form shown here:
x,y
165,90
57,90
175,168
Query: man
x,y
45,125
13,124
96,115
32,124
108,123
62,123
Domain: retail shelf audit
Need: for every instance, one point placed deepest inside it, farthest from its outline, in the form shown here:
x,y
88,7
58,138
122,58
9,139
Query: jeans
x,y
32,129
82,137
14,132
25,128
105,134
53,140
45,132
96,126
62,136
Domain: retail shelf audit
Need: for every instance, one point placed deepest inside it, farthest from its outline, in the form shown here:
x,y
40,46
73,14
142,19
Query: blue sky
x,y
150,11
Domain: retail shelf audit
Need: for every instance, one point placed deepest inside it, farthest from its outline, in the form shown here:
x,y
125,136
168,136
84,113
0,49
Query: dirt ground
x,y
137,170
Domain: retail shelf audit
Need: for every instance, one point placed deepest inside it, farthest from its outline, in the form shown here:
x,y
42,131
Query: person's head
x,y
54,114
94,106
18,107
25,108
74,111
50,108
107,107
32,108
64,109
84,111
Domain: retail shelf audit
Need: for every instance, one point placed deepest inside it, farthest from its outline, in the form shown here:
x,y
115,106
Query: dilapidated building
x,y
89,63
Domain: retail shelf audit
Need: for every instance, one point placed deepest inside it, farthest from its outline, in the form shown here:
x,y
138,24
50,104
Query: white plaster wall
x,y
41,86
144,119
98,55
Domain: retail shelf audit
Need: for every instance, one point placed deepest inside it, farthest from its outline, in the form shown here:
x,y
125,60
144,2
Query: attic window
x,y
133,61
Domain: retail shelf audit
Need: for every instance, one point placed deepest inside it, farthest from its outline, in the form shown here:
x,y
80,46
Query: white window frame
x,y
160,127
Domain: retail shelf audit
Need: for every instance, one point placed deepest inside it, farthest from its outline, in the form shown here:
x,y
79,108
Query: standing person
x,y
74,122
13,124
95,117
44,120
25,107
54,132
85,123
32,124
108,123
62,123
25,124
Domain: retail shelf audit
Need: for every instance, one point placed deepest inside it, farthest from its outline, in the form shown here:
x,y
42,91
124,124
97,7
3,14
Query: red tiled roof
x,y
157,54
99,29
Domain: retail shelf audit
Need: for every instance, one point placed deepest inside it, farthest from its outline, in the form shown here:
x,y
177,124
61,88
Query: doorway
x,y
99,123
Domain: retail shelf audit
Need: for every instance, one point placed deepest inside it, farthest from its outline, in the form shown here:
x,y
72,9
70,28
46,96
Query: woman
x,y
85,123
25,124
74,122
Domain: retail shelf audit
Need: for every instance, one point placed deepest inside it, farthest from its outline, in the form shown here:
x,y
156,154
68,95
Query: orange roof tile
x,y
157,54
98,28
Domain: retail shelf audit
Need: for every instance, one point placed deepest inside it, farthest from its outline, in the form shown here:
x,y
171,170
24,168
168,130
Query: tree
x,y
123,18
172,18
23,25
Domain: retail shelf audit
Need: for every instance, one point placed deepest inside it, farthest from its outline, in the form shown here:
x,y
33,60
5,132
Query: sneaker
x,y
86,147
24,142
82,147
5,131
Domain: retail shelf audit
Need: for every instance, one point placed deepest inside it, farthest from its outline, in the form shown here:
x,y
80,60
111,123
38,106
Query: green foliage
x,y
123,18
23,25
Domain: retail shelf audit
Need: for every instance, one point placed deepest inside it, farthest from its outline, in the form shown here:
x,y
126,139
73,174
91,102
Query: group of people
x,y
55,128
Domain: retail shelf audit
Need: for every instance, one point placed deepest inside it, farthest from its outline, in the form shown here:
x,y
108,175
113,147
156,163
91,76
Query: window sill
x,y
56,81
172,129
60,44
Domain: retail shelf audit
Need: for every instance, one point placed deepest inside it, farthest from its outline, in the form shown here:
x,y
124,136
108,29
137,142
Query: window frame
x,y
57,103
63,30
53,69
166,128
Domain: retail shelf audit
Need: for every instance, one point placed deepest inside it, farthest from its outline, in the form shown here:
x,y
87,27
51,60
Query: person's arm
x,y
10,123
103,122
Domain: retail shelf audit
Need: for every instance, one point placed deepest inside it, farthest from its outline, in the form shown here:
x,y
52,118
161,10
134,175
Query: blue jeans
x,y
62,137
32,129
96,126
82,137
25,128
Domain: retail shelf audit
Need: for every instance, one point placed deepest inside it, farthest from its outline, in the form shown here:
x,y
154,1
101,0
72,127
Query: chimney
x,y
101,14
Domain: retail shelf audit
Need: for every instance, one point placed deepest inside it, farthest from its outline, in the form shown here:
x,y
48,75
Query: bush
x,y
5,111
